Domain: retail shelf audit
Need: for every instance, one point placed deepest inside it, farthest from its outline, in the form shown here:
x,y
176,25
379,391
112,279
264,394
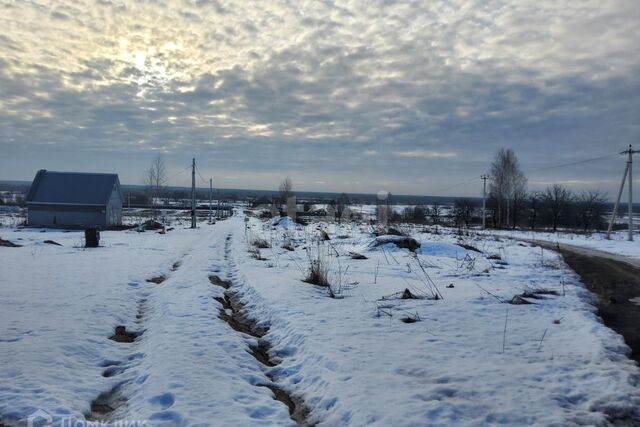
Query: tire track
x,y
108,405
235,314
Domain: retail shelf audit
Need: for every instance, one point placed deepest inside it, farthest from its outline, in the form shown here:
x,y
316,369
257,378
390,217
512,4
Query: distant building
x,y
74,199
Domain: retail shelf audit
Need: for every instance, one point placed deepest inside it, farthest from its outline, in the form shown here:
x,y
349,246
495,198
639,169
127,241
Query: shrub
x,y
260,243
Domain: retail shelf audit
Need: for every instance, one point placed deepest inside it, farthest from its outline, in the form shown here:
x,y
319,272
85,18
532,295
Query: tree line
x,y
511,205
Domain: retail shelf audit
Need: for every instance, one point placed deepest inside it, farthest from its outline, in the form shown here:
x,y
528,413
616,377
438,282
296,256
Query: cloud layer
x,y
355,96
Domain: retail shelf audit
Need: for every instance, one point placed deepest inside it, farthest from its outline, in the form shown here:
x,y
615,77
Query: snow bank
x,y
282,221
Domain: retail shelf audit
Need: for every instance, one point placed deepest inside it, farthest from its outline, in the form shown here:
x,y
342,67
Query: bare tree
x,y
434,212
556,199
463,212
534,208
342,206
285,191
155,177
508,185
591,207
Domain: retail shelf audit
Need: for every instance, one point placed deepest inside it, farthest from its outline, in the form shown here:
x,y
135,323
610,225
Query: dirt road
x,y
615,279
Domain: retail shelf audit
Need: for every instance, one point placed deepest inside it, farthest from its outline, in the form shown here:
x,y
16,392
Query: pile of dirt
x,y
8,244
402,242
157,279
122,335
150,225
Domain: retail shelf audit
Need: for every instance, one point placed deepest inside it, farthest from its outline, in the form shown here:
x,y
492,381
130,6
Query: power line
x,y
573,163
201,178
176,174
530,171
456,185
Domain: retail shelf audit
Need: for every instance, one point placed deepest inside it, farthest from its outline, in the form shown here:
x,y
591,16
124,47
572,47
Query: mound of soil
x,y
402,242
150,225
8,244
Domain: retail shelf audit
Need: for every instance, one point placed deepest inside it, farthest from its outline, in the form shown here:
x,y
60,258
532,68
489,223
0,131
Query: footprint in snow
x,y
163,401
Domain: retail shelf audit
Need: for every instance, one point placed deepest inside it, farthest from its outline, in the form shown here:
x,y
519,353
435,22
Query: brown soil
x,y
239,321
216,280
157,279
403,243
8,244
122,335
103,406
615,283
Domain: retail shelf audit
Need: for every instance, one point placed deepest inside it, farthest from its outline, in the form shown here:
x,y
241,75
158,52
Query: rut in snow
x,y
234,313
104,407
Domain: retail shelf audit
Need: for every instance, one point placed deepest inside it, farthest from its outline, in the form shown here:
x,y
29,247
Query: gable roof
x,y
74,188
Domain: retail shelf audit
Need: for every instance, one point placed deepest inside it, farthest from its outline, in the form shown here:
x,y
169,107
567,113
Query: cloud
x,y
426,154
341,92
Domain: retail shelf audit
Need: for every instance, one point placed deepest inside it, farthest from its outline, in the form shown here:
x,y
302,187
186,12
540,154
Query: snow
x,y
618,244
282,221
352,359
61,303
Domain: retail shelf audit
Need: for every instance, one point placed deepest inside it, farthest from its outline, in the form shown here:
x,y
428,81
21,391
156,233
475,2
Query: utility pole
x,y
627,174
193,194
484,178
210,190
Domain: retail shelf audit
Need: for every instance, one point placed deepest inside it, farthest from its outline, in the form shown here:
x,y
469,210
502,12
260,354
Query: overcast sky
x,y
356,96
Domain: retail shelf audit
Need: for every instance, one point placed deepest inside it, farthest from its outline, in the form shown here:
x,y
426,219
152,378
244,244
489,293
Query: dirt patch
x,y
536,294
400,241
8,244
234,314
469,247
217,281
52,242
176,265
122,335
102,407
615,283
297,410
157,279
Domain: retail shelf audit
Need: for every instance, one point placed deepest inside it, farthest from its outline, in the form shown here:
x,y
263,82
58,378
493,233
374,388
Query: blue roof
x,y
75,188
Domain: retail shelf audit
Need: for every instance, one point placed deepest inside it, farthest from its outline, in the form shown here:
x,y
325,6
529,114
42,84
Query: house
x,y
74,199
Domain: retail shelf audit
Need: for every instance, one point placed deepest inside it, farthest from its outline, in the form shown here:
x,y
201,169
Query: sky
x,y
358,96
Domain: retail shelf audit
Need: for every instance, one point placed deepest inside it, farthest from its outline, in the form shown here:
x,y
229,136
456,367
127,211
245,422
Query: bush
x,y
260,243
318,272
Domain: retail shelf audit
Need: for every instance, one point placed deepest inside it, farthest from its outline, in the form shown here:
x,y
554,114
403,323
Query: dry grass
x,y
260,243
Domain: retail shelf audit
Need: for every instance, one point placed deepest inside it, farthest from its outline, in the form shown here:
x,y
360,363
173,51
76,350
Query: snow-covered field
x,y
617,244
367,357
